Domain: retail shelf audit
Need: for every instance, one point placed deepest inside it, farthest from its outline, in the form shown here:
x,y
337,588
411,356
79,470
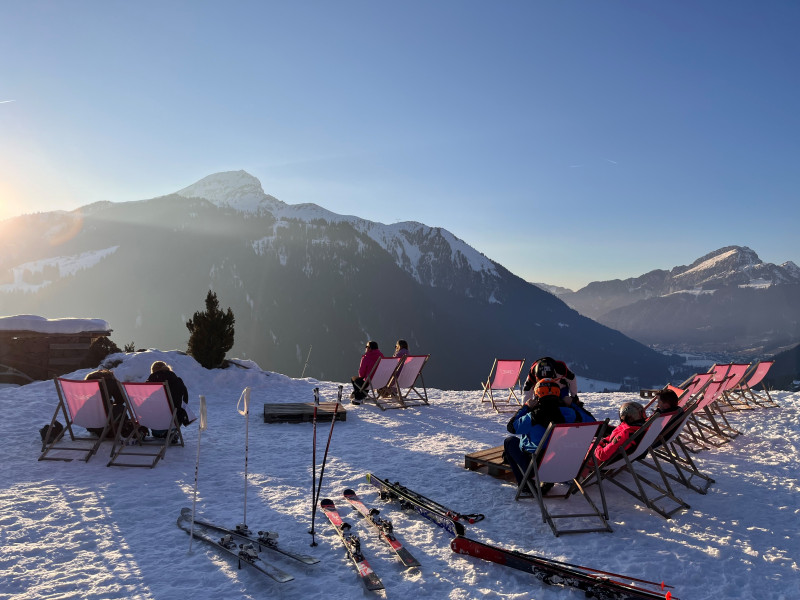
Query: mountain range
x,y
727,302
308,287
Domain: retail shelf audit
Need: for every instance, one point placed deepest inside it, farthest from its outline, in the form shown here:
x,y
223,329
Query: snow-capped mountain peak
x,y
233,189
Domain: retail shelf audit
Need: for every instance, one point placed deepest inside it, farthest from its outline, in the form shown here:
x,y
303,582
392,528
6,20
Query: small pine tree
x,y
211,333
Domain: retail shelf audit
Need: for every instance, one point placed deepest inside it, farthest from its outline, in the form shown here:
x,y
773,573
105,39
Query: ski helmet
x,y
546,387
631,413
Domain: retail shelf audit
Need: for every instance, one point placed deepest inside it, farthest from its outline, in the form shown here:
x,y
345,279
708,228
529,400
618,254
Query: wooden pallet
x,y
492,459
302,412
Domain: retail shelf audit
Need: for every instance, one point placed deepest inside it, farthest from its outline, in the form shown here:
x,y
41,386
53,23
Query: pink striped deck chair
x,y
699,431
83,404
409,379
727,400
746,390
561,458
661,498
504,375
381,385
148,405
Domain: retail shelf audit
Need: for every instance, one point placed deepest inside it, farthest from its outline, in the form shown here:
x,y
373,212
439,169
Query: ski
x,y
384,527
608,586
243,553
352,544
391,491
267,539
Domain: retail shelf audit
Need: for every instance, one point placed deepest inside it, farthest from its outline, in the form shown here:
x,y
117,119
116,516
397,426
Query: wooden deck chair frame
x,y
382,376
701,430
746,389
504,375
84,403
409,379
563,457
147,405
621,462
673,451
730,401
713,413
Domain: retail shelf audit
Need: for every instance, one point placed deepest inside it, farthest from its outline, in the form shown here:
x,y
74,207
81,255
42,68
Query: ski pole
x,y
314,466
246,412
330,434
202,427
306,365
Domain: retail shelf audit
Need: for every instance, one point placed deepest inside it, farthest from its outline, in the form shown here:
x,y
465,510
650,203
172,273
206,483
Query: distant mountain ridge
x,y
726,301
298,277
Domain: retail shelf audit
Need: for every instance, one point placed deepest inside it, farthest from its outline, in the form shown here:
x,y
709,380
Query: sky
x,y
569,141
84,531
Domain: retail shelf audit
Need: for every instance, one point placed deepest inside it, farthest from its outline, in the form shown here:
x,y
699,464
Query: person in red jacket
x,y
368,360
632,417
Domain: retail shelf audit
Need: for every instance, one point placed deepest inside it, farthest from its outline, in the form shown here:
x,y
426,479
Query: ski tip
x,y
186,511
326,502
348,492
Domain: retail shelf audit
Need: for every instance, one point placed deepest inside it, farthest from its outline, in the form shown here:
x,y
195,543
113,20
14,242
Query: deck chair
x,y
612,469
714,413
506,377
383,376
746,390
701,430
709,417
147,405
728,400
406,380
689,389
562,458
82,404
673,452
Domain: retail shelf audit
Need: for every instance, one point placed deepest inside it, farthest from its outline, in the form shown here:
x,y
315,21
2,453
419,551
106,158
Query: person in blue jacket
x,y
530,422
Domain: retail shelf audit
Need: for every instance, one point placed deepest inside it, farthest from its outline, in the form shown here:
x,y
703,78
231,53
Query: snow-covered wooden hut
x,y
36,348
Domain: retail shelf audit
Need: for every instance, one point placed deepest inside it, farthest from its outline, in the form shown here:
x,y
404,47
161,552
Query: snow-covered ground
x,y
82,530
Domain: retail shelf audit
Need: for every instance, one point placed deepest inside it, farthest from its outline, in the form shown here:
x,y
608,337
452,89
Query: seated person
x,y
368,360
632,417
530,422
163,373
400,349
114,394
667,402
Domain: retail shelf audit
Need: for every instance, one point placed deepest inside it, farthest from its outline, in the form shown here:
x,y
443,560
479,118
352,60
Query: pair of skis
x,y
449,520
352,542
601,585
242,545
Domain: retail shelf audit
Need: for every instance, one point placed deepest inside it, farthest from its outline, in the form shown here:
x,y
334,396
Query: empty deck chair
x,y
382,377
746,390
562,458
728,400
622,462
147,405
504,375
700,432
409,379
82,404
673,452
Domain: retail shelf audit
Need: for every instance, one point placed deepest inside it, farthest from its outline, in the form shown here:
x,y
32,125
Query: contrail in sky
x,y
5,101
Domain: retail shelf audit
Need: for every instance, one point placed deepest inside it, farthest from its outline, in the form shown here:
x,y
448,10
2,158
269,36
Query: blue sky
x,y
571,141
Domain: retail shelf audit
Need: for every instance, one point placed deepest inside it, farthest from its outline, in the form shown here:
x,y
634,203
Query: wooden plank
x,y
74,361
492,460
302,412
69,346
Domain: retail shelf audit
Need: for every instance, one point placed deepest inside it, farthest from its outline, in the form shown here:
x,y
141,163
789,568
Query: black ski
x,y
244,553
390,491
352,544
384,527
595,584
267,539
